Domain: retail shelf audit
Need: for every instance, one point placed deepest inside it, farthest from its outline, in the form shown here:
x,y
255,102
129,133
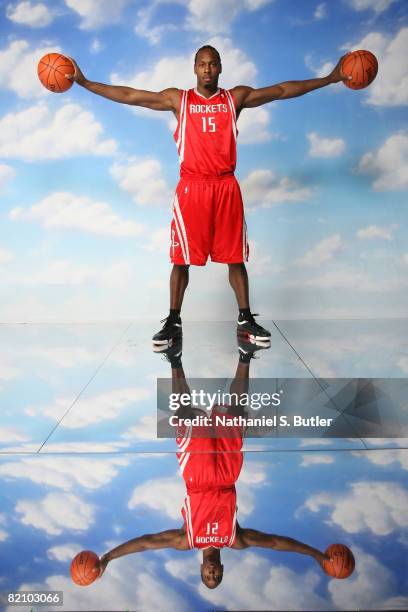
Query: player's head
x,y
211,573
207,67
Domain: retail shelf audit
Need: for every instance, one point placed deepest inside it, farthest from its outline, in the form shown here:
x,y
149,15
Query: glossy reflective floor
x,y
81,468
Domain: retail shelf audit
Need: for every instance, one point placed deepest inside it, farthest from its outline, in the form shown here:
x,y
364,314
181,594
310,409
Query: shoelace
x,y
252,320
168,321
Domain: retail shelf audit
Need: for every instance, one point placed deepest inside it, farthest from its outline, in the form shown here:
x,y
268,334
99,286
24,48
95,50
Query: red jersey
x,y
206,134
210,517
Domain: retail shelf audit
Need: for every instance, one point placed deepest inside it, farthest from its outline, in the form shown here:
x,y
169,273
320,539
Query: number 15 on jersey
x,y
208,124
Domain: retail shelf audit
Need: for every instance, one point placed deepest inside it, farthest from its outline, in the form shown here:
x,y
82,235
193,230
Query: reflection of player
x,y
210,461
208,214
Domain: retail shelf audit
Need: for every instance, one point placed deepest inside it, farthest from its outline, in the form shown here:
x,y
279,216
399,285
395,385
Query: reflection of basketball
x,y
362,66
85,568
341,564
52,69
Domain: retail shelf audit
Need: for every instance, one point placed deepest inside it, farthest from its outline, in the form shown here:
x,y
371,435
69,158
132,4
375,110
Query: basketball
x,y
51,71
341,564
85,568
362,66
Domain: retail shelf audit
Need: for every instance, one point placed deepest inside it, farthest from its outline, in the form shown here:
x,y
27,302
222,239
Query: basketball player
x,y
210,460
208,215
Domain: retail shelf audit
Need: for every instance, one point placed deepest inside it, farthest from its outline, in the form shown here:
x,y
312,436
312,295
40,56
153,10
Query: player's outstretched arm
x,y
172,538
251,537
166,100
248,97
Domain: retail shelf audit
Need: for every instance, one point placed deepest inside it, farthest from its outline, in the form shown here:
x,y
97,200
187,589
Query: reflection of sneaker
x,y
170,331
171,353
248,348
248,328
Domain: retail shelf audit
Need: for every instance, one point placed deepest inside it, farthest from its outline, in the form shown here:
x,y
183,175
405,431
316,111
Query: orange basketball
x,y
362,66
85,568
51,71
341,564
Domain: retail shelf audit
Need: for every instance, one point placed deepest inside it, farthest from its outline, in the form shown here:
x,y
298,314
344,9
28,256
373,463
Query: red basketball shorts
x,y
215,461
208,220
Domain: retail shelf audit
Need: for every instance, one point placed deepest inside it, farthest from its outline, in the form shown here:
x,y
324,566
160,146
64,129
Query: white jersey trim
x,y
233,117
201,95
187,510
181,117
183,236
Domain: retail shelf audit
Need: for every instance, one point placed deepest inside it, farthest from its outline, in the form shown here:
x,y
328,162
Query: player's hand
x,y
103,562
320,557
337,74
78,75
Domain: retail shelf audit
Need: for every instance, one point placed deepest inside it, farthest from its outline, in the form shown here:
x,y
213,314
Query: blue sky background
x,y
86,184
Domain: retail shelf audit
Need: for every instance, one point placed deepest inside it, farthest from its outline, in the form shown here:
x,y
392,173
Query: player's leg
x,y
172,330
238,279
230,245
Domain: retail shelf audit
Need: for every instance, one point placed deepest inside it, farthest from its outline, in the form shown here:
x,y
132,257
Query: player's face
x,y
212,573
208,69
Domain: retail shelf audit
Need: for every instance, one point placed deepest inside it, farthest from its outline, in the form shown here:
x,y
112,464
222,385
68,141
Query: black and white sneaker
x,y
248,328
248,348
170,331
171,353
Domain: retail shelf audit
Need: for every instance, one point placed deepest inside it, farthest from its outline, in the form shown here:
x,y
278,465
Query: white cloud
x,y
7,173
23,79
144,429
263,188
145,29
60,273
63,552
343,276
26,13
253,124
96,14
36,133
178,71
143,180
251,583
215,18
63,210
3,534
11,434
316,459
159,243
389,164
390,88
315,442
320,11
94,409
318,70
374,231
64,472
161,494
322,252
378,6
96,46
325,147
386,457
379,507
367,588
5,256
46,514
